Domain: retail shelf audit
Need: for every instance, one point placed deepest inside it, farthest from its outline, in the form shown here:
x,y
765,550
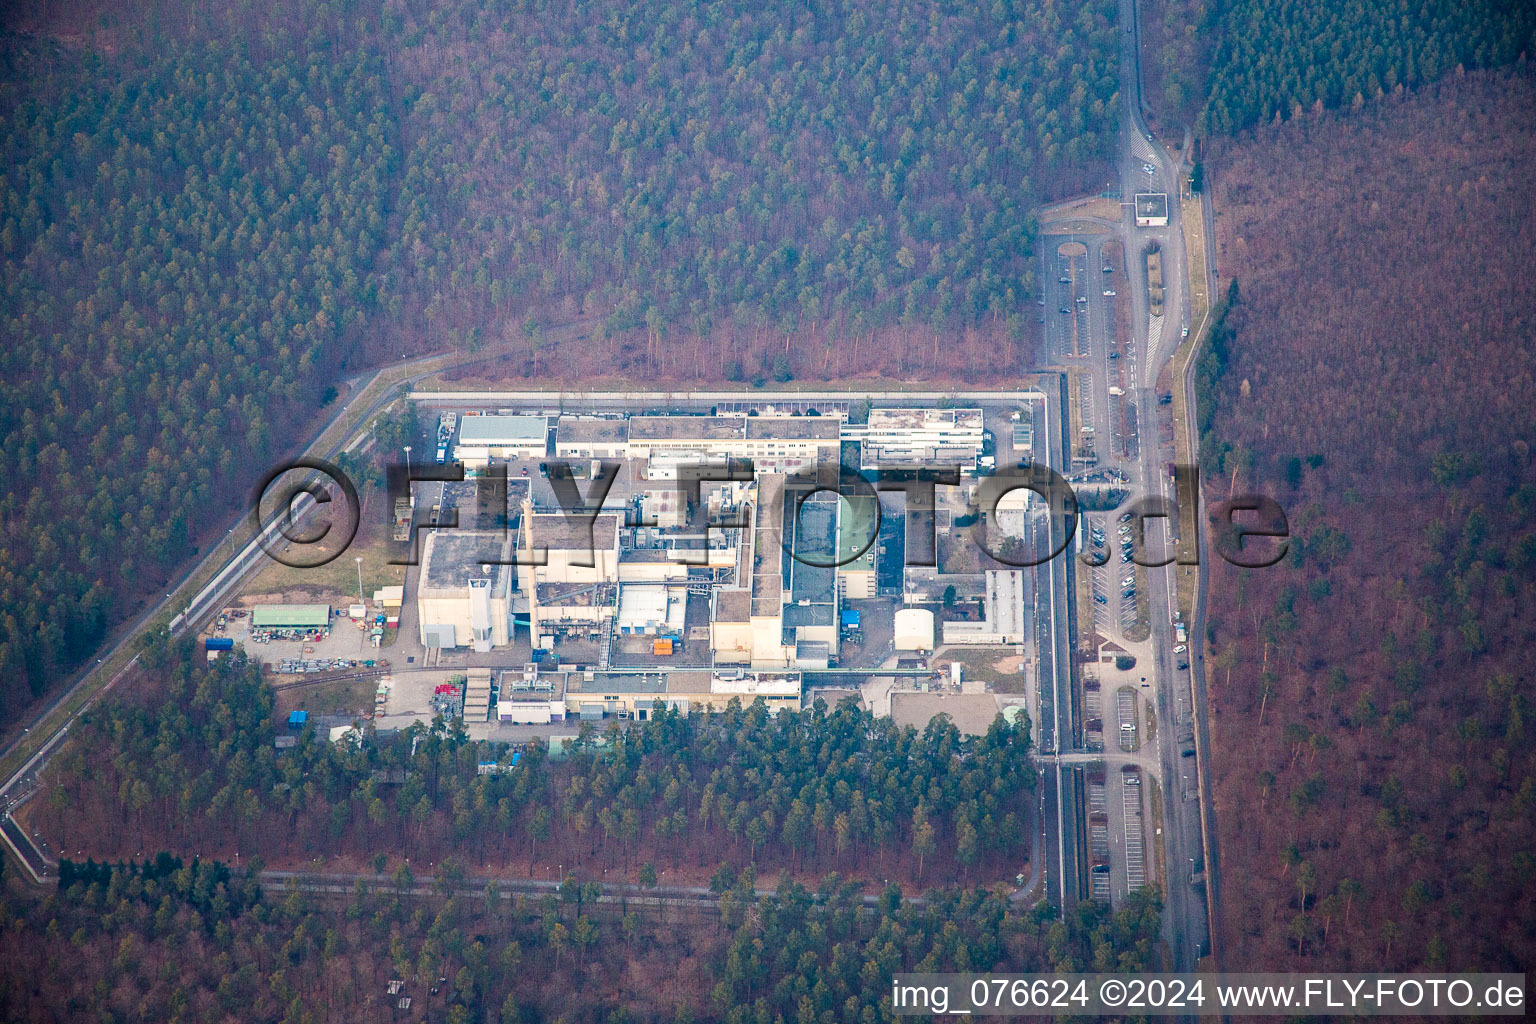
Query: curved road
x,y
19,786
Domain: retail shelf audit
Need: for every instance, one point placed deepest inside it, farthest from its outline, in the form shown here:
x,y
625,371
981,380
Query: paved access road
x,y
1079,335
233,570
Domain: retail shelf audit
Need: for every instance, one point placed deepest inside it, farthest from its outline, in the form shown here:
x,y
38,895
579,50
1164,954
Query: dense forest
x,y
186,758
184,943
1177,37
207,210
182,251
1275,59
1375,781
191,765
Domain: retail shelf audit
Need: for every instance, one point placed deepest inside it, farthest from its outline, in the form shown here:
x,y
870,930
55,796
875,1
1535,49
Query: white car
x,y
1185,333
1181,648
1111,292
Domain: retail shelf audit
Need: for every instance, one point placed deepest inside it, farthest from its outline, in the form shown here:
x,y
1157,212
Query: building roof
x,y
290,616
779,685
687,428
733,606
819,613
919,419
812,576
647,604
913,625
589,429
794,428
858,528
813,650
491,430
767,551
573,595
627,682
451,558
1151,204
557,531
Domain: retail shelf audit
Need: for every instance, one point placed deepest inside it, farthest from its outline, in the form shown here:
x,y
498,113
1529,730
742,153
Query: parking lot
x,y
344,642
1114,583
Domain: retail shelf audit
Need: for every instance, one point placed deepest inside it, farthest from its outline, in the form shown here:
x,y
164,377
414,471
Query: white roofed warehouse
x,y
483,438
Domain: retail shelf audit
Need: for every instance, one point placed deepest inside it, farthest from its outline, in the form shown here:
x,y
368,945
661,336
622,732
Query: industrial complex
x,y
749,549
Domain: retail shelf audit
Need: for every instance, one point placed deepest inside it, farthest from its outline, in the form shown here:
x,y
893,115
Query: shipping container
x,y
219,643
662,646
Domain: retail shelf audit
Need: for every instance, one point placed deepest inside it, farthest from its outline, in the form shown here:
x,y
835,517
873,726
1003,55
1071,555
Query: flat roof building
x,y
482,438
591,437
1151,209
858,524
919,438
774,443
1004,622
595,693
651,608
464,595
291,616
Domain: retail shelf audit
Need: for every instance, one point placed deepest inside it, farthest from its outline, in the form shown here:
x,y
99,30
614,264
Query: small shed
x,y
296,719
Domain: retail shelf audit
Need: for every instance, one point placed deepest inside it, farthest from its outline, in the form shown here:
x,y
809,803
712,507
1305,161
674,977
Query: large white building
x,y
776,444
1004,621
571,575
483,438
783,613
464,595
592,437
919,438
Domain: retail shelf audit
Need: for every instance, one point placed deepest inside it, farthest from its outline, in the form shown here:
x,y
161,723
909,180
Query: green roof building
x,y
291,616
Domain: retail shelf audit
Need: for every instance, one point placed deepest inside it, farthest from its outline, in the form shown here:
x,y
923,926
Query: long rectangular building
x,y
291,616
919,438
776,444
483,438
